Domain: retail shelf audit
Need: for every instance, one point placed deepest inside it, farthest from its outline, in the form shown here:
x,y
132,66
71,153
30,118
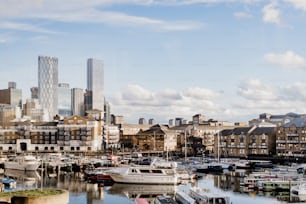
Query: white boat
x,y
208,198
24,162
184,198
298,190
145,175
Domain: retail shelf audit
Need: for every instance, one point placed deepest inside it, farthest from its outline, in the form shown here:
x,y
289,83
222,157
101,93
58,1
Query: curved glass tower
x,y
47,84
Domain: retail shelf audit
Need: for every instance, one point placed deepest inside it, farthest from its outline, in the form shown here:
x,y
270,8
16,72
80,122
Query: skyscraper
x,y
64,99
47,84
77,98
95,85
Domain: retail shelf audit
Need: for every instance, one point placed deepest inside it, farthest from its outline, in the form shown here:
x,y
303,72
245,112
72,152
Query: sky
x,y
229,60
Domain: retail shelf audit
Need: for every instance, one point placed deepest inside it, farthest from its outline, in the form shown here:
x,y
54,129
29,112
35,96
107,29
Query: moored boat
x,y
184,198
22,162
206,197
145,175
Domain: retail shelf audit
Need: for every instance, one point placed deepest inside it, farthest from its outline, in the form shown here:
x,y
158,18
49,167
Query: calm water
x,y
84,193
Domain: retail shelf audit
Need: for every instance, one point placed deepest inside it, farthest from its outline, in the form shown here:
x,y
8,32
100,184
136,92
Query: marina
x,y
101,184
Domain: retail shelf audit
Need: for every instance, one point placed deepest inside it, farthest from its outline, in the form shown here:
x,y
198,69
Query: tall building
x,y
64,100
34,92
107,113
94,98
77,100
47,84
11,95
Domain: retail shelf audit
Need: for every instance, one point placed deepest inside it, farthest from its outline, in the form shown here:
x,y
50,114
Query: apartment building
x,y
291,138
246,141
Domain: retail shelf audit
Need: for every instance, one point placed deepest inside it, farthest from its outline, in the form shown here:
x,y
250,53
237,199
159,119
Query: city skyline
x,y
225,59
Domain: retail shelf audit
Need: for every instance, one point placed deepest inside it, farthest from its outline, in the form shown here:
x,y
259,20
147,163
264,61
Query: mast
x,y
185,145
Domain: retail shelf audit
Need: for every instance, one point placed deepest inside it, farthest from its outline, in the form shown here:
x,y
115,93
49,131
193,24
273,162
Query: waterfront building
x,y
76,133
246,141
111,136
157,138
291,138
64,100
129,132
277,120
47,85
11,95
77,98
94,98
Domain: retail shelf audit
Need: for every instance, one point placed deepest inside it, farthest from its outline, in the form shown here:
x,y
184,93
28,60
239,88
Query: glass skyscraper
x,y
64,99
94,98
47,84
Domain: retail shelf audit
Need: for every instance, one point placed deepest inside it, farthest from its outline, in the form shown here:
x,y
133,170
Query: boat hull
x,y
33,166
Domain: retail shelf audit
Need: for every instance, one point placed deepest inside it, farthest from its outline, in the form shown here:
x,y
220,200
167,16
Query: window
x,y
46,148
78,148
52,148
72,148
36,148
61,148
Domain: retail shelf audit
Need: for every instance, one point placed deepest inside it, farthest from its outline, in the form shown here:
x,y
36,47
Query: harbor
x,y
123,180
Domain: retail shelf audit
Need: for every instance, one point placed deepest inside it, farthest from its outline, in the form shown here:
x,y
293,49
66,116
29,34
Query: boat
x,y
202,196
184,198
276,185
24,163
145,175
298,190
9,183
98,175
161,199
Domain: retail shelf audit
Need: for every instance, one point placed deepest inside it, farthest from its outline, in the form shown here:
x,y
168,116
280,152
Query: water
x,y
82,192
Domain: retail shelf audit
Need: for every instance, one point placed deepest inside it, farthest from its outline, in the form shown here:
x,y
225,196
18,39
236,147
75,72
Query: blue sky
x,y
226,59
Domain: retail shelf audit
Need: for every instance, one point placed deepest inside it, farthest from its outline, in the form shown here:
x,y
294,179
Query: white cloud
x,y
161,104
243,15
299,4
294,92
288,59
254,89
83,11
24,27
271,14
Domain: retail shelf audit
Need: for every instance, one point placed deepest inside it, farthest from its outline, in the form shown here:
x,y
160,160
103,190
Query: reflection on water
x,y
133,191
82,192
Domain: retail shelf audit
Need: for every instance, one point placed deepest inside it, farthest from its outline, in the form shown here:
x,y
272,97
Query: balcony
x,y
280,147
280,141
293,141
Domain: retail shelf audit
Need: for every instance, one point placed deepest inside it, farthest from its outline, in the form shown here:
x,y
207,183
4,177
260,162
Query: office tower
x,y
34,92
94,97
77,99
11,95
64,99
107,113
47,84
7,113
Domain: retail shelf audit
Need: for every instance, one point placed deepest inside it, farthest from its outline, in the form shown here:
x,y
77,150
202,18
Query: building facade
x,y
11,96
77,100
47,85
64,100
95,85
